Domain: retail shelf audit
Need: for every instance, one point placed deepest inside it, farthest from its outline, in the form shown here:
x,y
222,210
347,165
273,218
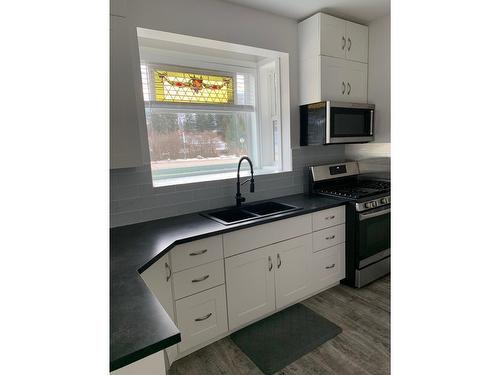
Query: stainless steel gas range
x,y
368,209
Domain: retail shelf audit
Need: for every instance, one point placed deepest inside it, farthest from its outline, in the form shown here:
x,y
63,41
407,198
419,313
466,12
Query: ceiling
x,y
362,11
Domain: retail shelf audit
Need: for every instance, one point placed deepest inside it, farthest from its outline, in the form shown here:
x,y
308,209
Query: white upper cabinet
x,y
330,78
326,35
333,60
332,36
125,136
356,42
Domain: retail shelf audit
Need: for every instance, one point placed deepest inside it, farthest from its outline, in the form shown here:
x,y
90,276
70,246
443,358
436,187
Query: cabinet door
x,y
158,278
125,137
250,286
356,75
332,36
357,42
333,80
293,263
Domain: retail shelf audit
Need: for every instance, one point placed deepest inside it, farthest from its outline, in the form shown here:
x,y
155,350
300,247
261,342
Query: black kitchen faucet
x,y
239,198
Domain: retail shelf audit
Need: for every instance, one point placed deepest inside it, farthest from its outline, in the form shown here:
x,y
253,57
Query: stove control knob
x,y
384,200
371,204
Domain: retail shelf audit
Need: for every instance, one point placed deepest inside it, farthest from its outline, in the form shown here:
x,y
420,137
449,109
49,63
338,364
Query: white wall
x,y
379,76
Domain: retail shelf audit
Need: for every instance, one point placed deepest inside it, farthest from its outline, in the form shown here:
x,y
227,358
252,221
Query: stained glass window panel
x,y
182,87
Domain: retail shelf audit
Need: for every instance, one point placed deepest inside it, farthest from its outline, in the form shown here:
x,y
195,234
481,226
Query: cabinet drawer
x,y
199,278
328,237
328,218
328,266
266,234
195,253
201,317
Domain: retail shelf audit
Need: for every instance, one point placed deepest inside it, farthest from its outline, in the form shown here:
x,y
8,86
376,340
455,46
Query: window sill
x,y
212,177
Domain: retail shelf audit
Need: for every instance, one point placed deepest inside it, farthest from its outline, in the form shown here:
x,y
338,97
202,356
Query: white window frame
x,y
181,59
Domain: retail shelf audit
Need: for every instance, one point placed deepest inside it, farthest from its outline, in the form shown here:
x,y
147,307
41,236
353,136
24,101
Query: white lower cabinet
x,y
328,266
263,280
293,269
250,286
201,317
260,270
158,278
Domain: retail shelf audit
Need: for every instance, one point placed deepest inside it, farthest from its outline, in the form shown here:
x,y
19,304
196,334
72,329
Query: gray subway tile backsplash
x,y
133,198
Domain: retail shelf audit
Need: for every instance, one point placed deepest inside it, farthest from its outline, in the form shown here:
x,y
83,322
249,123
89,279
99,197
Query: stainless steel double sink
x,y
235,215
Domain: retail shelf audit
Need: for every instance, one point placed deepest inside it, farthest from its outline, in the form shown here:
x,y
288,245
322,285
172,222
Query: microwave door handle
x,y
371,121
327,123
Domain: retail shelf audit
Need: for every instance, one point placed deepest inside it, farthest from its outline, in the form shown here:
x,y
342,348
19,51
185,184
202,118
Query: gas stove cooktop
x,y
343,180
358,189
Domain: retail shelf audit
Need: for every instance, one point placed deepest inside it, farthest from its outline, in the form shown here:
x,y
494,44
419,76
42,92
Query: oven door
x,y
351,124
374,235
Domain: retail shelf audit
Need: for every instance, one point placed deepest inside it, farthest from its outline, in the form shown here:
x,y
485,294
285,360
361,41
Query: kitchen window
x,y
205,108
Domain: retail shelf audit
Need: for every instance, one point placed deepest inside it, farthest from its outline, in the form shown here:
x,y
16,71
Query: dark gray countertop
x,y
139,324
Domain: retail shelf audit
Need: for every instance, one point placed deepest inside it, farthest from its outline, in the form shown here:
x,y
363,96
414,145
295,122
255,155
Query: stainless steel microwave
x,y
336,122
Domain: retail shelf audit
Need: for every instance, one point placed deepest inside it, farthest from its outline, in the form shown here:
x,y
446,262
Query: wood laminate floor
x,y
362,348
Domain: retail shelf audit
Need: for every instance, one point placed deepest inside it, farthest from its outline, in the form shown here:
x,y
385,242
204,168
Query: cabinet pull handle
x,y
343,87
330,237
270,263
203,278
203,317
348,88
343,44
328,267
169,274
330,217
198,252
349,46
279,261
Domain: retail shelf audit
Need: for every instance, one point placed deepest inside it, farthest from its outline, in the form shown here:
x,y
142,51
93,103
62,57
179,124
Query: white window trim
x,y
213,62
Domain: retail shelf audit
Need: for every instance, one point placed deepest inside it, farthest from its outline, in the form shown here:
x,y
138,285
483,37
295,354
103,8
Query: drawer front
x,y
328,237
201,317
266,234
195,253
328,266
199,278
328,218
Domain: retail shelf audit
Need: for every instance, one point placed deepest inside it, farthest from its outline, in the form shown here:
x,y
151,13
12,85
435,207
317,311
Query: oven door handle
x,y
373,214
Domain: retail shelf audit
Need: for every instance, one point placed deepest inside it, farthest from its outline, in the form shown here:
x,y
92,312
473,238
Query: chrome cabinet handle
x,y
203,278
343,87
328,267
203,317
349,46
343,40
279,261
329,238
270,262
330,217
169,275
348,88
198,252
